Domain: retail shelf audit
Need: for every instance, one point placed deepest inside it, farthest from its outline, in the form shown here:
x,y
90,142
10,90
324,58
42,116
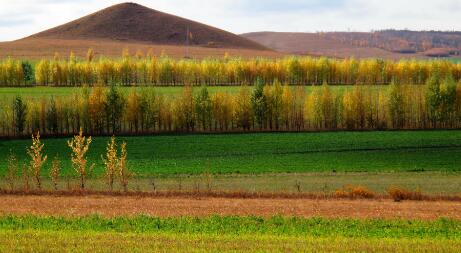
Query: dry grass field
x,y
36,49
113,206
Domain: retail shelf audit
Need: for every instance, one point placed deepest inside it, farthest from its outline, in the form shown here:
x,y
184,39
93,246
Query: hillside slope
x,y
384,44
316,44
131,22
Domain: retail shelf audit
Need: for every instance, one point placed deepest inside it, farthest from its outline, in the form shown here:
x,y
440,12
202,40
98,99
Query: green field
x,y
40,92
432,183
401,151
229,234
46,92
454,59
253,162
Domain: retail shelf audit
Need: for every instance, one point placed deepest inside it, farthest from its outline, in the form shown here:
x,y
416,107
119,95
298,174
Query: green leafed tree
x,y
259,103
203,108
19,108
52,117
114,107
396,105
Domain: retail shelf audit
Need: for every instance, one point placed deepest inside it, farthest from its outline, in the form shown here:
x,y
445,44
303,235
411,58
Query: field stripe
x,y
112,206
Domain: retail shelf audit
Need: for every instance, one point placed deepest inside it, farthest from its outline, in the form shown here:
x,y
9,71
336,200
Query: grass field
x,y
226,234
39,241
428,160
203,206
46,92
401,151
40,92
432,183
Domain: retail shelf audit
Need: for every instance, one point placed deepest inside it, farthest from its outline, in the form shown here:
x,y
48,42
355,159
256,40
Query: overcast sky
x,y
20,18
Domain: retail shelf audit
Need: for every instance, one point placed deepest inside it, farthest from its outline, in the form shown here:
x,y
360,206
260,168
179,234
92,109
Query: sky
x,y
20,18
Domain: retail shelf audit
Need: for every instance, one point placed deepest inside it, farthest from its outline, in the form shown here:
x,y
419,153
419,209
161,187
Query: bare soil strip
x,y
174,206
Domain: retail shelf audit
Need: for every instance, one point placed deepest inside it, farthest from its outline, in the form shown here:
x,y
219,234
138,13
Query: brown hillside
x,y
317,44
130,22
393,44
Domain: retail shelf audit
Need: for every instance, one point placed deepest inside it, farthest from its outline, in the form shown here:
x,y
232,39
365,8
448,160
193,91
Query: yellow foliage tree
x,y
110,162
90,55
37,159
55,172
79,146
124,174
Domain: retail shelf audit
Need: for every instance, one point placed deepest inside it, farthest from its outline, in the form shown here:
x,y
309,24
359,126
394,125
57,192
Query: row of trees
x,y
107,111
227,71
16,73
115,165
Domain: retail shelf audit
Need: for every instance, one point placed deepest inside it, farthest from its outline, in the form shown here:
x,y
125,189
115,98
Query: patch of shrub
x,y
340,193
398,194
355,191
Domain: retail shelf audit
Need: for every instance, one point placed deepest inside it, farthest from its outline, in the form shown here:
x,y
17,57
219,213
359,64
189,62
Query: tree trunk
x,y
82,182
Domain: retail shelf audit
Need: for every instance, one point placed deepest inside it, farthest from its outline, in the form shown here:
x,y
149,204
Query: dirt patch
x,y
165,207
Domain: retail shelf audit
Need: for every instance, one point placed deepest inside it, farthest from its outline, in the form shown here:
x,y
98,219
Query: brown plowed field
x,y
123,205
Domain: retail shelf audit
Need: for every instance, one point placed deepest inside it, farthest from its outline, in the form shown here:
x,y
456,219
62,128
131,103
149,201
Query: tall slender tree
x,y
20,109
114,107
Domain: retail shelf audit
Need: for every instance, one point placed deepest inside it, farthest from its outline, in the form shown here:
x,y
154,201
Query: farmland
x,y
401,151
432,183
134,130
274,162
98,242
175,206
226,234
318,163
210,166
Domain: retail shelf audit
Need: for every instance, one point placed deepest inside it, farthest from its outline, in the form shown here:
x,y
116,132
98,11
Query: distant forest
x,y
433,43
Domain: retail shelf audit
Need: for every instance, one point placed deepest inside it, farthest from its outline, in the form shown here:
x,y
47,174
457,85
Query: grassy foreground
x,y
228,234
403,151
33,241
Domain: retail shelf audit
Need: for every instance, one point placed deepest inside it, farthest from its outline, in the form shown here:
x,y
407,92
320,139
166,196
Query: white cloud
x,y
21,18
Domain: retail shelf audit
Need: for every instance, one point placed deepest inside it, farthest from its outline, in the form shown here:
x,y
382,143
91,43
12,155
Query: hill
x,y
135,27
385,44
135,23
